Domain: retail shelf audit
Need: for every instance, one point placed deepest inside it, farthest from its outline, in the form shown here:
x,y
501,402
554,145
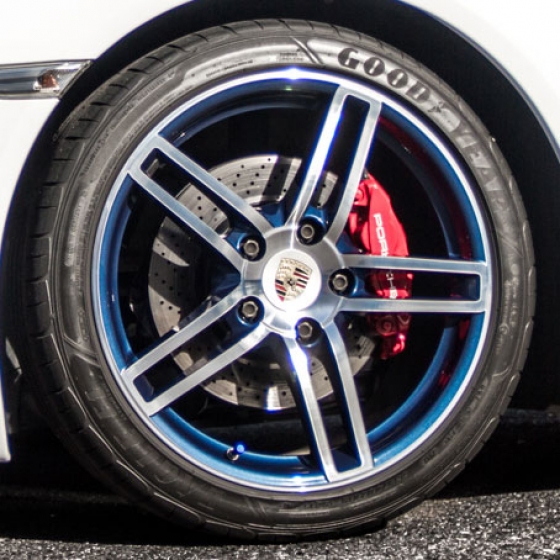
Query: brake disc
x,y
180,276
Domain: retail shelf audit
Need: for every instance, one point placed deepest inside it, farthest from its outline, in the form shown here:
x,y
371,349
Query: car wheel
x,y
224,332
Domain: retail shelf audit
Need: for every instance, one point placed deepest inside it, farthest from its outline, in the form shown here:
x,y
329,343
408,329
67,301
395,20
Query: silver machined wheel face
x,y
213,283
257,382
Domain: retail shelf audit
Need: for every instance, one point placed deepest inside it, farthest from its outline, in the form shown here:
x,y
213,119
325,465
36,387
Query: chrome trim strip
x,y
5,455
39,80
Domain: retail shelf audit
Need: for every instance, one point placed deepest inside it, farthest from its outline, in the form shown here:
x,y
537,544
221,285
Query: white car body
x,y
59,31
62,30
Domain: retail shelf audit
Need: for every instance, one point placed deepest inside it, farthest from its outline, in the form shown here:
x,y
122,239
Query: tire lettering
x,y
374,67
380,232
419,92
346,59
382,240
398,78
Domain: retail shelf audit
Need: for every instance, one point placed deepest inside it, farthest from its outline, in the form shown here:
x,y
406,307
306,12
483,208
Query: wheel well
x,y
489,92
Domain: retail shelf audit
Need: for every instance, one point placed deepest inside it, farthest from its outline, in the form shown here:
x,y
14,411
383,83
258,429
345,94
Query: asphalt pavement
x,y
505,505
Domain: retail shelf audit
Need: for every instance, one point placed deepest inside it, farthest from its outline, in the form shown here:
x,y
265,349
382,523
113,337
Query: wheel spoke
x,y
348,397
319,157
187,218
357,167
203,371
414,305
311,409
412,264
476,269
173,342
220,194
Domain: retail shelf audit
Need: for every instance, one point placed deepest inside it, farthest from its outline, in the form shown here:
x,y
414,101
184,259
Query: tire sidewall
x,y
159,468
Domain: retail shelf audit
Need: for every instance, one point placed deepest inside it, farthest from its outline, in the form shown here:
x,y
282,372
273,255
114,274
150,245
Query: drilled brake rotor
x,y
180,276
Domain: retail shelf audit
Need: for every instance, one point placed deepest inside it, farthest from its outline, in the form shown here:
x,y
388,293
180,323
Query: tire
x,y
164,353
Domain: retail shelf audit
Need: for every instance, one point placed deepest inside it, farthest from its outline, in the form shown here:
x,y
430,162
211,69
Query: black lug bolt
x,y
251,248
305,331
307,233
250,310
340,282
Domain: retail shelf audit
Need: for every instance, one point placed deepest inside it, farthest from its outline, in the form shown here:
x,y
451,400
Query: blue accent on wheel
x,y
171,276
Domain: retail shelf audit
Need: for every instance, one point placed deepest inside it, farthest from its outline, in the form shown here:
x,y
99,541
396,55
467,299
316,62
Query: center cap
x,y
292,280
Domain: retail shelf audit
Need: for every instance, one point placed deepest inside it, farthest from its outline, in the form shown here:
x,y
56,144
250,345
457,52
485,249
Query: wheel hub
x,y
291,282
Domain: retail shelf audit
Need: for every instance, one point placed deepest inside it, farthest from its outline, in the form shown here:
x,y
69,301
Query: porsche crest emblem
x,y
292,277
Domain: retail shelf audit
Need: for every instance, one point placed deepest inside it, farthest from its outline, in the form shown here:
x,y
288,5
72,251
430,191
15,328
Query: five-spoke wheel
x,y
241,340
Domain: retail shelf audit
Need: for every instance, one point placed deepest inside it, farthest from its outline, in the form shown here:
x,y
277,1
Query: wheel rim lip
x,y
106,330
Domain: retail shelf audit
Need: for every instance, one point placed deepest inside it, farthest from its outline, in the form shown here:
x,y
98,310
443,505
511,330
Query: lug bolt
x,y
250,310
305,331
251,248
340,282
307,233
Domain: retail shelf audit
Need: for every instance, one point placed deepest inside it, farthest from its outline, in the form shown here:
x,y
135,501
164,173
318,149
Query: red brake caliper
x,y
374,227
